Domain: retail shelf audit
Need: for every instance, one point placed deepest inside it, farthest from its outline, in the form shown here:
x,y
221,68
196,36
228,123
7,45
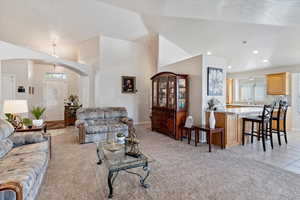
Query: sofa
x,y
95,124
23,162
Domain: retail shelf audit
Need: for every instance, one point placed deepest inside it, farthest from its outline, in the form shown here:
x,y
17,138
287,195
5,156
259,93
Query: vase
x,y
121,140
37,122
212,120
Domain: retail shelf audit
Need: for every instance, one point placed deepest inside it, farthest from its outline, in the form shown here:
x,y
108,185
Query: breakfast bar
x,y
231,120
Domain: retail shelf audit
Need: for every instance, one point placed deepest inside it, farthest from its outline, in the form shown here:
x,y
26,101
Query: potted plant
x,y
37,112
27,122
120,138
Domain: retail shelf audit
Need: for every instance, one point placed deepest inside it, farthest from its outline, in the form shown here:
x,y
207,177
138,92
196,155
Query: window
x,y
252,91
55,76
245,92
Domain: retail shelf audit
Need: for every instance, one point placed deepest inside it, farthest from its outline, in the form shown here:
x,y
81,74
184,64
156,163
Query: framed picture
x,y
21,89
128,84
215,81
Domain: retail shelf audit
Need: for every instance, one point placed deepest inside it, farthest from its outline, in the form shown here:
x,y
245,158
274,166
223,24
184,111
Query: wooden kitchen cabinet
x,y
278,84
229,91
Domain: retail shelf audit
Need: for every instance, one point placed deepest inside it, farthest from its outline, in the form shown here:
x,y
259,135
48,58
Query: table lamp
x,y
13,108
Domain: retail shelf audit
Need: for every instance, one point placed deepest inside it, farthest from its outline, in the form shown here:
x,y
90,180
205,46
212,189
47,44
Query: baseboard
x,y
142,123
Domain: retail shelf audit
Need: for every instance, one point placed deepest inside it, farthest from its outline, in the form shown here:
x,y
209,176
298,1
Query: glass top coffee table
x,y
117,161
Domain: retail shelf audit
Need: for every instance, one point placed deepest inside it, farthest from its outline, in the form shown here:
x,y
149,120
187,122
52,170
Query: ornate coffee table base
x,y
113,173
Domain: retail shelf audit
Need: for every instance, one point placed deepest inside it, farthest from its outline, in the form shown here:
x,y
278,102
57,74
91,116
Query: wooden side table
x,y
209,133
188,131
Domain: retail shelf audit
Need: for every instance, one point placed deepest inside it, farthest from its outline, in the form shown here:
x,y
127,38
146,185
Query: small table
x,y
209,132
33,128
118,161
43,130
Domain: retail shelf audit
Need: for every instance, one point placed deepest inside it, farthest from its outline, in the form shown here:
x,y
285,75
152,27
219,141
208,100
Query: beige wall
x,y
89,53
196,68
125,58
111,58
192,67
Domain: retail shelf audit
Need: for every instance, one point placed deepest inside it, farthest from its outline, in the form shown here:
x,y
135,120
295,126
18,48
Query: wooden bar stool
x,y
265,124
281,116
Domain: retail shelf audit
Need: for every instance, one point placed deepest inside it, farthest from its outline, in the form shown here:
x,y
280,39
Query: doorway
x,y
55,92
8,87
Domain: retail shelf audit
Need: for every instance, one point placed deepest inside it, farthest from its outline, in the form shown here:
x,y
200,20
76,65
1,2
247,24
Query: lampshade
x,y
15,106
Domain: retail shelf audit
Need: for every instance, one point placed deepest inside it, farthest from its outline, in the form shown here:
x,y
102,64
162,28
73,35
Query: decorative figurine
x,y
131,142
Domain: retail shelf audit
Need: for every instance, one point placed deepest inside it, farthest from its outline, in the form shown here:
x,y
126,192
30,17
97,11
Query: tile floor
x,y
286,156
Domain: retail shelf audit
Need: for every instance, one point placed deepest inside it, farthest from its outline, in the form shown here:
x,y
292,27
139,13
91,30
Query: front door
x,y
8,87
55,93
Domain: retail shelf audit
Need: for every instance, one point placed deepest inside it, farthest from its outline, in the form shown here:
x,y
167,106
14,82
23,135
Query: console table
x,y
70,114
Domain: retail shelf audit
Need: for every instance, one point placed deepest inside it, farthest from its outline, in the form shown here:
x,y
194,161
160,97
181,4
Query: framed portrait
x,y
128,84
215,81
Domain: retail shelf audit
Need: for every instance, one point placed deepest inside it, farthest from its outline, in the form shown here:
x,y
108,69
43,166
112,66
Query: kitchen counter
x,y
231,120
241,111
244,105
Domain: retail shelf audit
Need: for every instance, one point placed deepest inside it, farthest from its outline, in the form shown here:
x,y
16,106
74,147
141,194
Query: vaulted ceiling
x,y
190,27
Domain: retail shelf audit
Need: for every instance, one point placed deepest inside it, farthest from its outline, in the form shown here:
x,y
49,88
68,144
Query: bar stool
x,y
281,116
264,123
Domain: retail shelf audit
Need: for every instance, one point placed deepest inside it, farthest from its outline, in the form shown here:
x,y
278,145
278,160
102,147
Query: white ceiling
x,y
36,23
193,26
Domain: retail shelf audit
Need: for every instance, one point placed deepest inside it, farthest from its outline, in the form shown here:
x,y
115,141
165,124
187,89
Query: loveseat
x,y
95,124
23,163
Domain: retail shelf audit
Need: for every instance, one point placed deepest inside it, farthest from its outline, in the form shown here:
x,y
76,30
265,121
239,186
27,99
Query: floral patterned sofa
x,y
95,123
23,163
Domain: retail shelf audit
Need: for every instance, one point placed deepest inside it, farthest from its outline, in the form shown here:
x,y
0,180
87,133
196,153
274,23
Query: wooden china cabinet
x,y
170,94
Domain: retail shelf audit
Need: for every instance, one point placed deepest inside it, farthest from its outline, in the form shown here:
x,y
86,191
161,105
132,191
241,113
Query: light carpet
x,y
180,171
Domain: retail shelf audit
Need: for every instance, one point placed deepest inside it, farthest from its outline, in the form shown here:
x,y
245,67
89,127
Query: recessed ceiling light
x,y
255,52
208,53
265,61
251,79
229,67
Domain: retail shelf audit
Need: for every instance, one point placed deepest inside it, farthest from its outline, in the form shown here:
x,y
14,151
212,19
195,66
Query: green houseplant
x,y
37,112
27,122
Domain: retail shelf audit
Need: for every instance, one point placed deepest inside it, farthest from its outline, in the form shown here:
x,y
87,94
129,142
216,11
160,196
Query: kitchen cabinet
x,y
278,84
229,91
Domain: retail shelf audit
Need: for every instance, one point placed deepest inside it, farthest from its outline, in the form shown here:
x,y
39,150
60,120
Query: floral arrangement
x,y
72,100
213,103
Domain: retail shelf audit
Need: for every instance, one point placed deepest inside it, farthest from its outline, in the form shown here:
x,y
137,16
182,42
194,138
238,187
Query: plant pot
x,y
120,140
37,122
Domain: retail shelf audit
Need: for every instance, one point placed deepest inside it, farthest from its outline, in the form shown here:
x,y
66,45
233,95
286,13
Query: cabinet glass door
x,y
172,92
162,91
182,94
154,93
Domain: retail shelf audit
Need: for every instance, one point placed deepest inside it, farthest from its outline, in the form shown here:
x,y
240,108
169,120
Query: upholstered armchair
x,y
95,123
